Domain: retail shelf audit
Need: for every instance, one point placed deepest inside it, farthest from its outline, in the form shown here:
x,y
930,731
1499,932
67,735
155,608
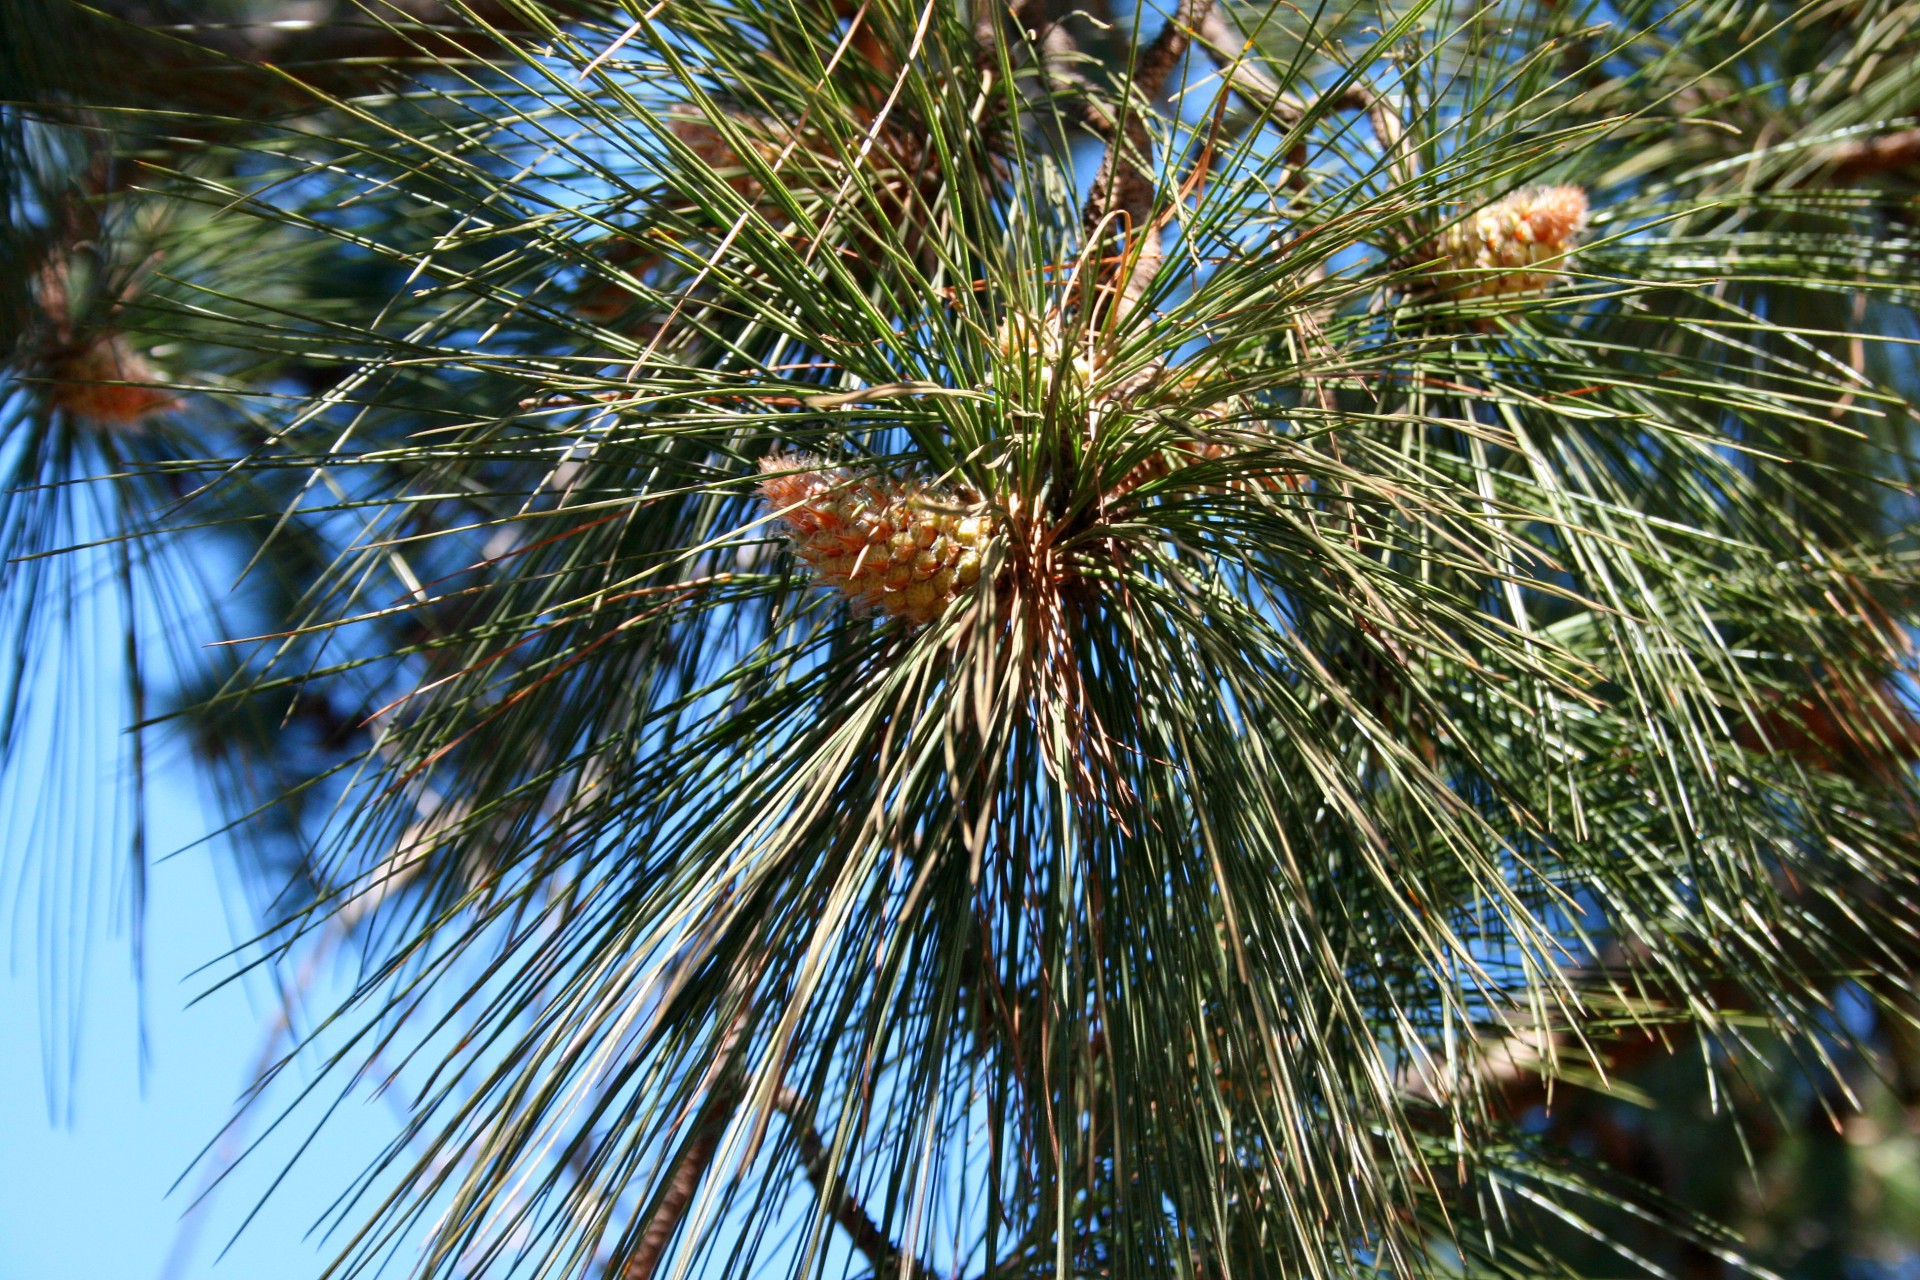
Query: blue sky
x,y
87,1198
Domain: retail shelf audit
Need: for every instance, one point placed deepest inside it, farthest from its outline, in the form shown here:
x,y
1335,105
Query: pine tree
x,y
997,641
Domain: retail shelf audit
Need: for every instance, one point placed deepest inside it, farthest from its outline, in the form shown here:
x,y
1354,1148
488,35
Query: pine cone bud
x,y
1489,252
1027,351
907,550
107,382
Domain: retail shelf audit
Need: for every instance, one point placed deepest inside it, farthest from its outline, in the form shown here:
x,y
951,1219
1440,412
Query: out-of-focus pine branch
x,y
997,641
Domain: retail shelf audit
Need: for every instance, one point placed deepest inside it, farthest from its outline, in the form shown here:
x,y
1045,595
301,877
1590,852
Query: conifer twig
x,y
1225,46
1865,157
880,1252
716,1113
681,1185
1124,189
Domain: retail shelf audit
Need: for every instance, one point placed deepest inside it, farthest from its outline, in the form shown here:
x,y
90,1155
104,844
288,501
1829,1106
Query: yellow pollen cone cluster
x,y
905,550
1495,248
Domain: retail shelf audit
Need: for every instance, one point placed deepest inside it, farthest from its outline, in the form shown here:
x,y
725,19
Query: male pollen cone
x,y
904,549
1493,250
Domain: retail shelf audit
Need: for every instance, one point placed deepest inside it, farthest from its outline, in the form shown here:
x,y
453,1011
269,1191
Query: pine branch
x,y
1125,191
1294,690
862,1231
351,39
696,1157
211,78
1867,157
1227,48
682,1184
1156,63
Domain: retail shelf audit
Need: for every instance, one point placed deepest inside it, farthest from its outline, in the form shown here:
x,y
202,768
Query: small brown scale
x,y
107,382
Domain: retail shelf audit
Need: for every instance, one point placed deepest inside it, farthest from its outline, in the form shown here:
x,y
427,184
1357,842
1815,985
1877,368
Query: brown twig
x,y
1227,48
685,1180
344,49
1124,190
723,1097
865,1235
1865,157
1157,62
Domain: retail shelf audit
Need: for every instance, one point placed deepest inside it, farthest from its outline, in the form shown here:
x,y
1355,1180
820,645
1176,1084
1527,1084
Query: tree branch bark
x,y
1865,157
723,1098
682,1184
1124,189
190,66
1227,48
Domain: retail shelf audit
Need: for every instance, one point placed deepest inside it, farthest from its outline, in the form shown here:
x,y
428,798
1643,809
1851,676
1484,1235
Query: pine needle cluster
x,y
995,641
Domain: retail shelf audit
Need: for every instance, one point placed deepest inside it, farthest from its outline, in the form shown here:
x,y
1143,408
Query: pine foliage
x,y
1008,642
